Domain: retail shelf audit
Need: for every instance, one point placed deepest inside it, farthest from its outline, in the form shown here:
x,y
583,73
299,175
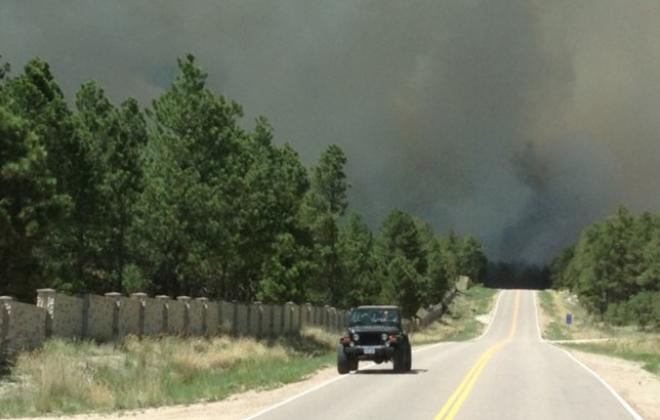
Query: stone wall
x,y
213,320
277,320
176,316
4,327
113,316
196,317
154,315
129,319
241,321
227,318
23,326
254,319
100,317
65,313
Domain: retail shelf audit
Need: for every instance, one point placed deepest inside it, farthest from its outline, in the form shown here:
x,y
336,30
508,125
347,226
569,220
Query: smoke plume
x,y
517,121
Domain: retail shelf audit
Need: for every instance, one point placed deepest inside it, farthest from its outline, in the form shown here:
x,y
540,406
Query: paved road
x,y
509,373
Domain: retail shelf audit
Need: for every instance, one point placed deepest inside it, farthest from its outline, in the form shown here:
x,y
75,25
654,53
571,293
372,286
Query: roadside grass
x,y
628,343
554,330
66,377
463,321
643,349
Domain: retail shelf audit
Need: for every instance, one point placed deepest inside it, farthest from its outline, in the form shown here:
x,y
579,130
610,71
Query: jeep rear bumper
x,y
370,352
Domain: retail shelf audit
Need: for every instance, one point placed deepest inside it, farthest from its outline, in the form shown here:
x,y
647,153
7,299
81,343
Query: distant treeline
x,y
615,268
181,199
517,275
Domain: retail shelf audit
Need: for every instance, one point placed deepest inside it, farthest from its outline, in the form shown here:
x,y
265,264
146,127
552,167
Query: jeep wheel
x,y
353,363
408,364
342,361
399,361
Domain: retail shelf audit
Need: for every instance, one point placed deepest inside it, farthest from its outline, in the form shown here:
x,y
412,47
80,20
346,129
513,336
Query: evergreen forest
x,y
179,198
615,269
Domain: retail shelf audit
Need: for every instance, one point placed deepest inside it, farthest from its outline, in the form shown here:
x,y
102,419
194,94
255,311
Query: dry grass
x,y
196,356
319,335
65,377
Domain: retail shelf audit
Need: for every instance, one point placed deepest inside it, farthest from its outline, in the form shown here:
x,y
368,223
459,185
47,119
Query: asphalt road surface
x,y
508,373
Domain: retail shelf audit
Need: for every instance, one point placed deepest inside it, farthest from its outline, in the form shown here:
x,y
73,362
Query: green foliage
x,y
642,309
615,268
29,206
286,272
358,264
182,199
402,262
133,280
324,206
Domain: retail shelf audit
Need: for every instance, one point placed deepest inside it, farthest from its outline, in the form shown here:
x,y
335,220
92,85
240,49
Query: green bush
x,y
643,309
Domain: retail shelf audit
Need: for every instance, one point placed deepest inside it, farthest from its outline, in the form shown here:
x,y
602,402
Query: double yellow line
x,y
456,400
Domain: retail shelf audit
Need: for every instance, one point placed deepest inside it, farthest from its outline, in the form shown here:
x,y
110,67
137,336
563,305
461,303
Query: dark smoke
x,y
517,121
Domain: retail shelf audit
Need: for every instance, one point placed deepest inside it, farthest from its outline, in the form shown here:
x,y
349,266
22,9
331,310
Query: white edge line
x,y
295,397
333,380
492,319
536,314
607,386
623,402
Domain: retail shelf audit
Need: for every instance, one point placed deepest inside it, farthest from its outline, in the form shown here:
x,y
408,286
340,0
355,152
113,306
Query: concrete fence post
x,y
253,319
301,317
46,300
326,315
271,320
276,320
5,301
308,314
227,313
116,298
288,317
204,302
315,316
332,319
186,313
234,324
141,297
259,309
165,315
84,330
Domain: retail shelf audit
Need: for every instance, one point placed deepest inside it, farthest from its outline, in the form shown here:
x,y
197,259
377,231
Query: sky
x,y
517,121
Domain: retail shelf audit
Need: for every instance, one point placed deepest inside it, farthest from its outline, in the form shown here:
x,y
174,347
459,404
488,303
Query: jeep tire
x,y
343,365
408,364
399,359
353,363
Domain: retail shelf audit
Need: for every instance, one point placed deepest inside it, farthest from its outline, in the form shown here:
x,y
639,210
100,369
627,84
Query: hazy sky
x,y
518,121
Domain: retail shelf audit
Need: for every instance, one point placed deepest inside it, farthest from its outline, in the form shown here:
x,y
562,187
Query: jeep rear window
x,y
374,317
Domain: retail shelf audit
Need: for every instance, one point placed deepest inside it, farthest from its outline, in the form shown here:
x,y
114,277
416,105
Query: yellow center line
x,y
458,397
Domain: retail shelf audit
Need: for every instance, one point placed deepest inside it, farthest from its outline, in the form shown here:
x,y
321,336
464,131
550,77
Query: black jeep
x,y
374,333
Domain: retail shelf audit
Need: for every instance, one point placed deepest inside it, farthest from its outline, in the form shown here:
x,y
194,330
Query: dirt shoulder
x,y
639,388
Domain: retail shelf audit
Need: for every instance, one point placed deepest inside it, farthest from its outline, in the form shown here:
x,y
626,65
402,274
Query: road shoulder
x,y
637,386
